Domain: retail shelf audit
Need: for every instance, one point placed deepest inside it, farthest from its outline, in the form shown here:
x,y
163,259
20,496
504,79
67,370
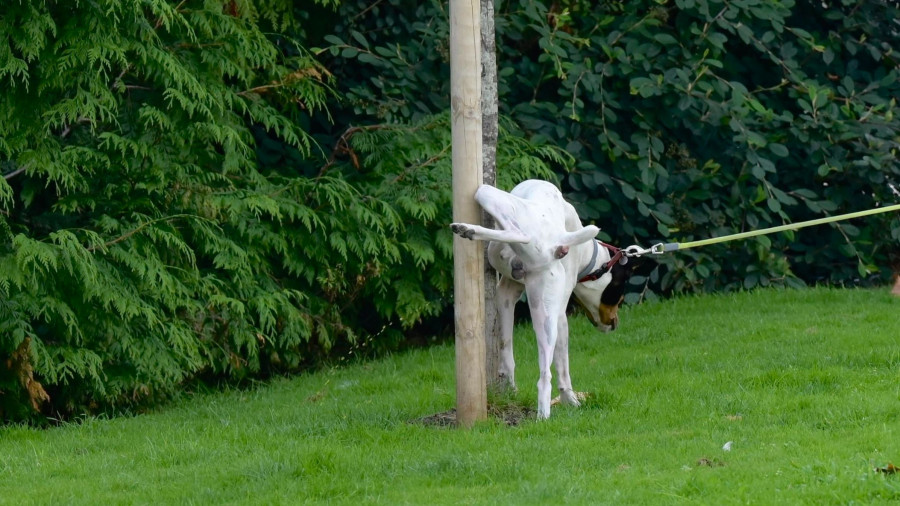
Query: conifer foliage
x,y
139,244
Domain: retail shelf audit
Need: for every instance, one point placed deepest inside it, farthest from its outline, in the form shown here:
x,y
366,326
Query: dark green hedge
x,y
688,119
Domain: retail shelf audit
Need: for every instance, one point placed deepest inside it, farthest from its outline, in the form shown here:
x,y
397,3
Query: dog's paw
x,y
462,230
506,381
570,397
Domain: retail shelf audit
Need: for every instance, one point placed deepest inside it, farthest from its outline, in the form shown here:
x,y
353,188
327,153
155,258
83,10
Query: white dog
x,y
543,249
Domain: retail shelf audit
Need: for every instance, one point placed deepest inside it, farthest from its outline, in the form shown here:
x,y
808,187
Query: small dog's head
x,y
603,297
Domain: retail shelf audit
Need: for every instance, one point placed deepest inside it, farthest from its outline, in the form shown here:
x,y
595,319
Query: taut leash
x,y
658,249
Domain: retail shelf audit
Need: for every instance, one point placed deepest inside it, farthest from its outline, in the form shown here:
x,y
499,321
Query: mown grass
x,y
806,385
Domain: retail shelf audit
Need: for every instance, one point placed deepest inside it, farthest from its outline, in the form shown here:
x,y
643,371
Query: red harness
x,y
616,255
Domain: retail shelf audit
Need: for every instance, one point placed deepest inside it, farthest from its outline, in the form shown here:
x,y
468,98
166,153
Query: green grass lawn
x,y
805,384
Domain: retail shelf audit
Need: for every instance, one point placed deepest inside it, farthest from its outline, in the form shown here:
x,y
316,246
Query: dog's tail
x,y
579,236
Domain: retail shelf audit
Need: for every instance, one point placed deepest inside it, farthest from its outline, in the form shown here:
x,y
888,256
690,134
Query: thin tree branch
x,y
343,145
259,89
68,129
14,173
137,229
121,75
367,9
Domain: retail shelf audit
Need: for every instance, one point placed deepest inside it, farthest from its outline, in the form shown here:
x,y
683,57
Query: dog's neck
x,y
589,267
598,258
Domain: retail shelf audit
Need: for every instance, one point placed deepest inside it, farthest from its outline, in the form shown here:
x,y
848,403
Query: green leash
x,y
658,249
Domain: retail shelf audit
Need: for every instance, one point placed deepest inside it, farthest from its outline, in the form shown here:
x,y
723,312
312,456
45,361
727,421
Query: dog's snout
x,y
609,316
607,327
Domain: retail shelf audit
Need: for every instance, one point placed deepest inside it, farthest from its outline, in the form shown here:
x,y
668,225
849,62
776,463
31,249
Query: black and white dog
x,y
543,249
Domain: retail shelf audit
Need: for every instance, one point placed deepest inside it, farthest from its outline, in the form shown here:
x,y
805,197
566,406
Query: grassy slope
x,y
805,383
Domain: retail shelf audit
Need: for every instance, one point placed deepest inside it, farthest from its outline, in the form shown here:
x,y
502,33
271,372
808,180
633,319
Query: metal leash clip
x,y
636,251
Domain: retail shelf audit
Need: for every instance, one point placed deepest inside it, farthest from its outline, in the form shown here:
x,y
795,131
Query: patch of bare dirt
x,y
510,414
445,419
707,462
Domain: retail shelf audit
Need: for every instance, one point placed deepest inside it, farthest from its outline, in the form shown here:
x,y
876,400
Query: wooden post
x,y
468,262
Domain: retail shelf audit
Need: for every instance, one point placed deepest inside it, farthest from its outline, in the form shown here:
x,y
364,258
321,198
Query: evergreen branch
x,y
343,145
288,80
68,129
159,21
259,89
138,229
413,168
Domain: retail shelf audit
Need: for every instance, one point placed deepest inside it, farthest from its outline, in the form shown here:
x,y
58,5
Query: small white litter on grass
x,y
727,446
347,384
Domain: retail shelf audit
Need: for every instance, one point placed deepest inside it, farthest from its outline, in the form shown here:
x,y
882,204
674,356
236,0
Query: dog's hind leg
x,y
544,296
479,233
503,206
546,340
508,293
561,360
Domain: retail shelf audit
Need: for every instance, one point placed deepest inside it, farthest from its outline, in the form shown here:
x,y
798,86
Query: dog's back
x,y
535,189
